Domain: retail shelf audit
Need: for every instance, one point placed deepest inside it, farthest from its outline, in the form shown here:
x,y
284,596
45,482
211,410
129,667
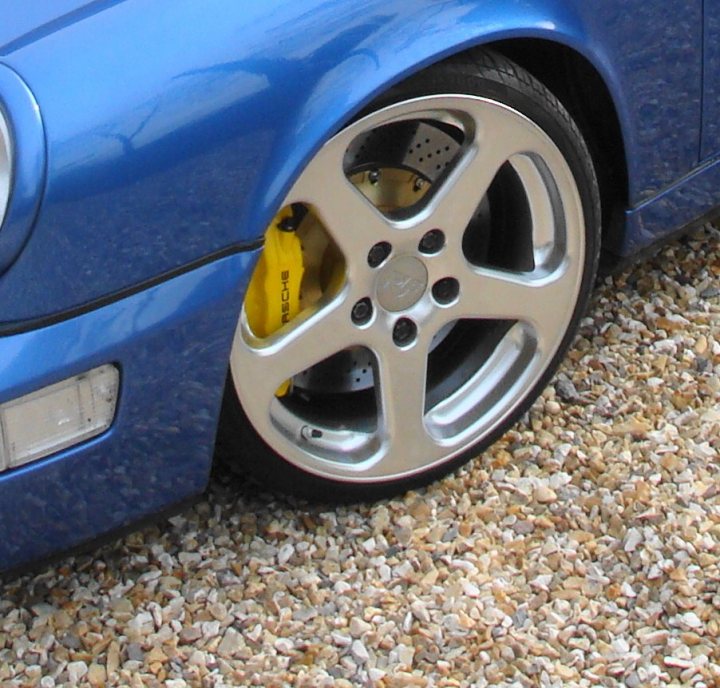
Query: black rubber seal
x,y
21,326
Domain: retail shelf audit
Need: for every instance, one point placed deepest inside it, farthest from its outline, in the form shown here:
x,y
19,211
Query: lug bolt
x,y
432,242
362,312
404,332
378,254
374,176
446,290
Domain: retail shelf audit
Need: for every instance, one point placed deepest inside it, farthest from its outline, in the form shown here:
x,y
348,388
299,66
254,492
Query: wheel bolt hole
x,y
404,332
446,290
378,254
432,242
362,312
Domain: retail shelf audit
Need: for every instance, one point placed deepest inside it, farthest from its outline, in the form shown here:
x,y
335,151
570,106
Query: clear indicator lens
x,y
58,416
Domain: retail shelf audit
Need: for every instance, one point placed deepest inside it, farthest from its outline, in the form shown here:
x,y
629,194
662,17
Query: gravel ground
x,y
581,550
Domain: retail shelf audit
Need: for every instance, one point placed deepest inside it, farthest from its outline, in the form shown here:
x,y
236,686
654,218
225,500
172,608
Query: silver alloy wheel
x,y
413,433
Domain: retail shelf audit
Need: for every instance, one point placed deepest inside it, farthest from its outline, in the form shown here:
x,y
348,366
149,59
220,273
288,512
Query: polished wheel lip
x,y
409,440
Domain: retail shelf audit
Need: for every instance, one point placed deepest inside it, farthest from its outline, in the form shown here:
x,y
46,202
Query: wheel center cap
x,y
401,283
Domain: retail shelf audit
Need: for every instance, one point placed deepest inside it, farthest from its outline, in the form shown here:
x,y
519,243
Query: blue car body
x,y
155,140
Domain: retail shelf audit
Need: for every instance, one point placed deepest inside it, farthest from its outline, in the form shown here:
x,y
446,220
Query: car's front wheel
x,y
449,240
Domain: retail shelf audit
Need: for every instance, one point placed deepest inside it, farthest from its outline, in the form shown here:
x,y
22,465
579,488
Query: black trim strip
x,y
21,326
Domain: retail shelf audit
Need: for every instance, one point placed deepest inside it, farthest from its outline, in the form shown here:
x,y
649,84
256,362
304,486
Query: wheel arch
x,y
578,73
575,81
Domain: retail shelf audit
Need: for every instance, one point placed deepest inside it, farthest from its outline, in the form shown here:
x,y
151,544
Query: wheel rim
x,y
499,326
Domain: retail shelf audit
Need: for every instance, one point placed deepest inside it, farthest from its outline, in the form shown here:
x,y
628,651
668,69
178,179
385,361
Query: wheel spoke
x,y
505,371
311,337
494,137
401,378
353,222
534,298
548,235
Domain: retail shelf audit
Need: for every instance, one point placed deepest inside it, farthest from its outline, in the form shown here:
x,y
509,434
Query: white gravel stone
x,y
691,620
633,539
231,643
649,636
359,627
76,671
341,640
284,646
359,652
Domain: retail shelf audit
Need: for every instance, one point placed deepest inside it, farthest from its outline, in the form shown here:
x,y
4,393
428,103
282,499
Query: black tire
x,y
488,75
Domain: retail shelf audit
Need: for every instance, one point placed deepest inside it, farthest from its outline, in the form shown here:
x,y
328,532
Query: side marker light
x,y
57,417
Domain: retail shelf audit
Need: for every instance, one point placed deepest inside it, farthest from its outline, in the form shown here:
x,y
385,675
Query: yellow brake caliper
x,y
273,296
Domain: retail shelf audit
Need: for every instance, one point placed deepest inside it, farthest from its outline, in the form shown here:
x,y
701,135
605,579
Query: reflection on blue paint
x,y
175,127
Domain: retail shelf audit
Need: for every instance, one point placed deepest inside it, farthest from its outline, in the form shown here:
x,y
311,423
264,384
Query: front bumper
x,y
171,343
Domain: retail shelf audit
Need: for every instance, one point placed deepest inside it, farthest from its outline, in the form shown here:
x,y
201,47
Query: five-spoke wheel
x,y
452,241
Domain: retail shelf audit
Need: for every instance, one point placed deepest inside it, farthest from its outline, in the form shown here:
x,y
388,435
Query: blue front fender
x,y
175,128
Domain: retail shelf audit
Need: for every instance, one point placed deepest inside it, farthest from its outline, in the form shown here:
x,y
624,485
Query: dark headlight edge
x,y
6,163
